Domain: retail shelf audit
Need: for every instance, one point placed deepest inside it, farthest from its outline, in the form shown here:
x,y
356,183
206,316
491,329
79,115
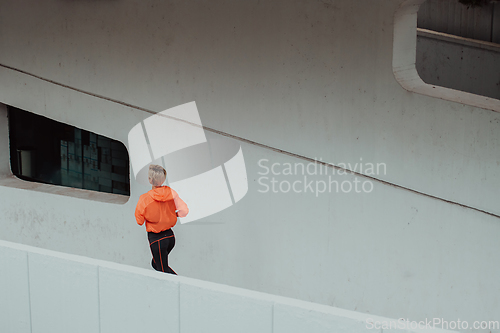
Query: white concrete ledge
x,y
11,180
47,291
475,43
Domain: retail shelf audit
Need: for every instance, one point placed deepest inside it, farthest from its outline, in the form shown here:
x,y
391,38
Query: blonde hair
x,y
156,175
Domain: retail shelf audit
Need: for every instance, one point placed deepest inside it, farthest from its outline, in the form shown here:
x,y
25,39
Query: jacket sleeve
x,y
180,205
139,212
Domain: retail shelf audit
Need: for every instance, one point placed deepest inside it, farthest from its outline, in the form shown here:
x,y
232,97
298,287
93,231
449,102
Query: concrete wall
x,y
453,17
459,63
297,80
46,291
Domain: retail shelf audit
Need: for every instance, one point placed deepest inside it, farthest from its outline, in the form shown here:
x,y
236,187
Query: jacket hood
x,y
163,193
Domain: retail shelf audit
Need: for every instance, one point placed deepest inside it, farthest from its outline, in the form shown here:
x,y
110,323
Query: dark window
x,y
457,46
46,151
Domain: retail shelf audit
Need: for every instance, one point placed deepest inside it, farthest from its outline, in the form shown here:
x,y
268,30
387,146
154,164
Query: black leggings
x,y
161,244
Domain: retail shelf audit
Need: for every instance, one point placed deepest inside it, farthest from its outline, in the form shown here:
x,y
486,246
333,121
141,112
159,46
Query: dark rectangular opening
x,y
46,151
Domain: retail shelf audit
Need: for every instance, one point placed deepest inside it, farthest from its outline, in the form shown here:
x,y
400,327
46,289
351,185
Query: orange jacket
x,y
157,208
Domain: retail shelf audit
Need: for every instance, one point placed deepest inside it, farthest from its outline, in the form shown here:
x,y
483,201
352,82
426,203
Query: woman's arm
x,y
139,212
180,205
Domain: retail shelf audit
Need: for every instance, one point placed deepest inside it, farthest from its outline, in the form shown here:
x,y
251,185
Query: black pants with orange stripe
x,y
161,244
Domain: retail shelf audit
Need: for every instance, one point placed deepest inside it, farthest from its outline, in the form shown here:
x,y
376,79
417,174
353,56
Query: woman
x,y
159,208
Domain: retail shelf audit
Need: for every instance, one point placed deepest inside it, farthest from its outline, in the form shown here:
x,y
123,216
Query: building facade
x,y
402,222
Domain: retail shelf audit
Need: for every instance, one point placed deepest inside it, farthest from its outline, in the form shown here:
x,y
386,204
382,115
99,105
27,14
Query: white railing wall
x,y
47,291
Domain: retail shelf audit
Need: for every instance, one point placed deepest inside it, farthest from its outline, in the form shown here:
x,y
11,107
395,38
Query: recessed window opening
x,y
458,45
46,151
475,19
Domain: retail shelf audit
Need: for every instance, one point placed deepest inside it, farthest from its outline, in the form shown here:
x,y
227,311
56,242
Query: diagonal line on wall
x,y
254,143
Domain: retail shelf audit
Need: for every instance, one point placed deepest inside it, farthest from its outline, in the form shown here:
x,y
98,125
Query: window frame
x,y
8,179
404,62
